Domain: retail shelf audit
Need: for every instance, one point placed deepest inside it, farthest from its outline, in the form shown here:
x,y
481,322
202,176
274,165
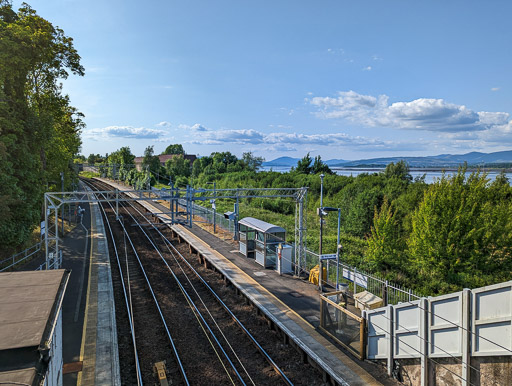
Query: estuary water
x,y
430,174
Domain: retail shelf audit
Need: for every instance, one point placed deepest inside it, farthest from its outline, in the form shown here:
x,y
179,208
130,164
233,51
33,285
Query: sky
x,y
340,79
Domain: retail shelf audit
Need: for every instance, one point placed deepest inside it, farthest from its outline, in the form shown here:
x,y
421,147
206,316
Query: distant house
x,y
163,159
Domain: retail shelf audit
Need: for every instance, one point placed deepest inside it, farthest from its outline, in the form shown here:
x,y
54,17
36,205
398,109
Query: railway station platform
x,y
99,355
289,303
89,334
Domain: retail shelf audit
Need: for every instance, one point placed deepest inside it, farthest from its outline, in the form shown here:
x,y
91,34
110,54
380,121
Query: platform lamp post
x,y
339,249
324,212
213,203
321,215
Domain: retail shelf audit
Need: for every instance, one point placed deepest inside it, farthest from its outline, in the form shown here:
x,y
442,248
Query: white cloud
x,y
495,89
164,124
291,141
196,127
420,114
124,132
241,137
367,68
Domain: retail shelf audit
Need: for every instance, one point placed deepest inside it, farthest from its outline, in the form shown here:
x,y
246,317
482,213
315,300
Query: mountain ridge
x,y
441,160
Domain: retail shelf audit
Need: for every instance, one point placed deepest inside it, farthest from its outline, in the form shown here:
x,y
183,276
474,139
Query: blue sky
x,y
343,79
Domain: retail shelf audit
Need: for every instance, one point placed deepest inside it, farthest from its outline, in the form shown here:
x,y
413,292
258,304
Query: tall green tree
x,y
151,162
320,167
176,148
39,129
178,166
251,162
461,233
399,170
385,244
304,165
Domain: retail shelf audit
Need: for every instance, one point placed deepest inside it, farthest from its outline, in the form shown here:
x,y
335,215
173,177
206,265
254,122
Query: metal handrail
x,y
25,253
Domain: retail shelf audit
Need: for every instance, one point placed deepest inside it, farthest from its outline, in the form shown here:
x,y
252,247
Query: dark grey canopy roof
x,y
260,225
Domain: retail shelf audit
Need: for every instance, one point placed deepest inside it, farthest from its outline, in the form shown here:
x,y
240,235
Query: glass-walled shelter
x,y
259,240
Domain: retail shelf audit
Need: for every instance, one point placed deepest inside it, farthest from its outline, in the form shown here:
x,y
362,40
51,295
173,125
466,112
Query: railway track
x,y
176,316
145,334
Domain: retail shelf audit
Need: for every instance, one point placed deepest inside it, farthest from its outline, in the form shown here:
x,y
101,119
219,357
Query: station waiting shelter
x,y
260,240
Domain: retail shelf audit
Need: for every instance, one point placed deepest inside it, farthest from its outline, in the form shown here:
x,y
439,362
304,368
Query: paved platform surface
x,y
99,351
75,249
291,303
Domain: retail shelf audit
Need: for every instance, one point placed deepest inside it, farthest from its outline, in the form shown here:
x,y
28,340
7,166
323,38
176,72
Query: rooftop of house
x,y
164,157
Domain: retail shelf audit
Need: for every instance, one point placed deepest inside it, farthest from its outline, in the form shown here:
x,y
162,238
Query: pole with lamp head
x,y
321,214
338,251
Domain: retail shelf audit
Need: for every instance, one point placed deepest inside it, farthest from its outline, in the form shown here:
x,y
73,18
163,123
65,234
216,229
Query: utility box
x,y
284,262
367,301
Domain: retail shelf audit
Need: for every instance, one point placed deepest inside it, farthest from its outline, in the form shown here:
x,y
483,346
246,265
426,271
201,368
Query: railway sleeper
x,y
271,325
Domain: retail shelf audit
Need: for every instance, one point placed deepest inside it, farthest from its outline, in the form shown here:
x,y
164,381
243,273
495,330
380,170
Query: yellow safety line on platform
x,y
84,330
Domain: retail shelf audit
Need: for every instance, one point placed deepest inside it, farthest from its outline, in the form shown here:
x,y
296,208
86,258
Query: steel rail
x,y
267,357
127,299
191,302
176,355
219,300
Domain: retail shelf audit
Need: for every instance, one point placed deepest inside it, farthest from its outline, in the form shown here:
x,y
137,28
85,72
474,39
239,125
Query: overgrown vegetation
x,y
434,238
39,129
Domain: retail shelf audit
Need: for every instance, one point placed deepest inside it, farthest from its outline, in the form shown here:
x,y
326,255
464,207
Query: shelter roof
x,y
260,225
26,303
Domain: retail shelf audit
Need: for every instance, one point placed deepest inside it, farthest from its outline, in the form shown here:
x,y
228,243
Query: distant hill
x,y
442,160
282,161
289,162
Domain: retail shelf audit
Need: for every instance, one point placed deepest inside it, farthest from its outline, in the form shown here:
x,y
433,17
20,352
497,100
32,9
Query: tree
x,y
385,244
120,162
174,149
461,233
320,167
178,166
304,165
150,162
251,162
94,158
398,170
40,130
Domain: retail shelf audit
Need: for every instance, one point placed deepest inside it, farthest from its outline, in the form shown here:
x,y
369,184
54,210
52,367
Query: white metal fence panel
x,y
445,325
492,320
407,343
379,338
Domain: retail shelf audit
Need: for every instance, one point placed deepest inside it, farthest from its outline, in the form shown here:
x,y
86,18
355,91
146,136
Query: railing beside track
x,y
10,262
